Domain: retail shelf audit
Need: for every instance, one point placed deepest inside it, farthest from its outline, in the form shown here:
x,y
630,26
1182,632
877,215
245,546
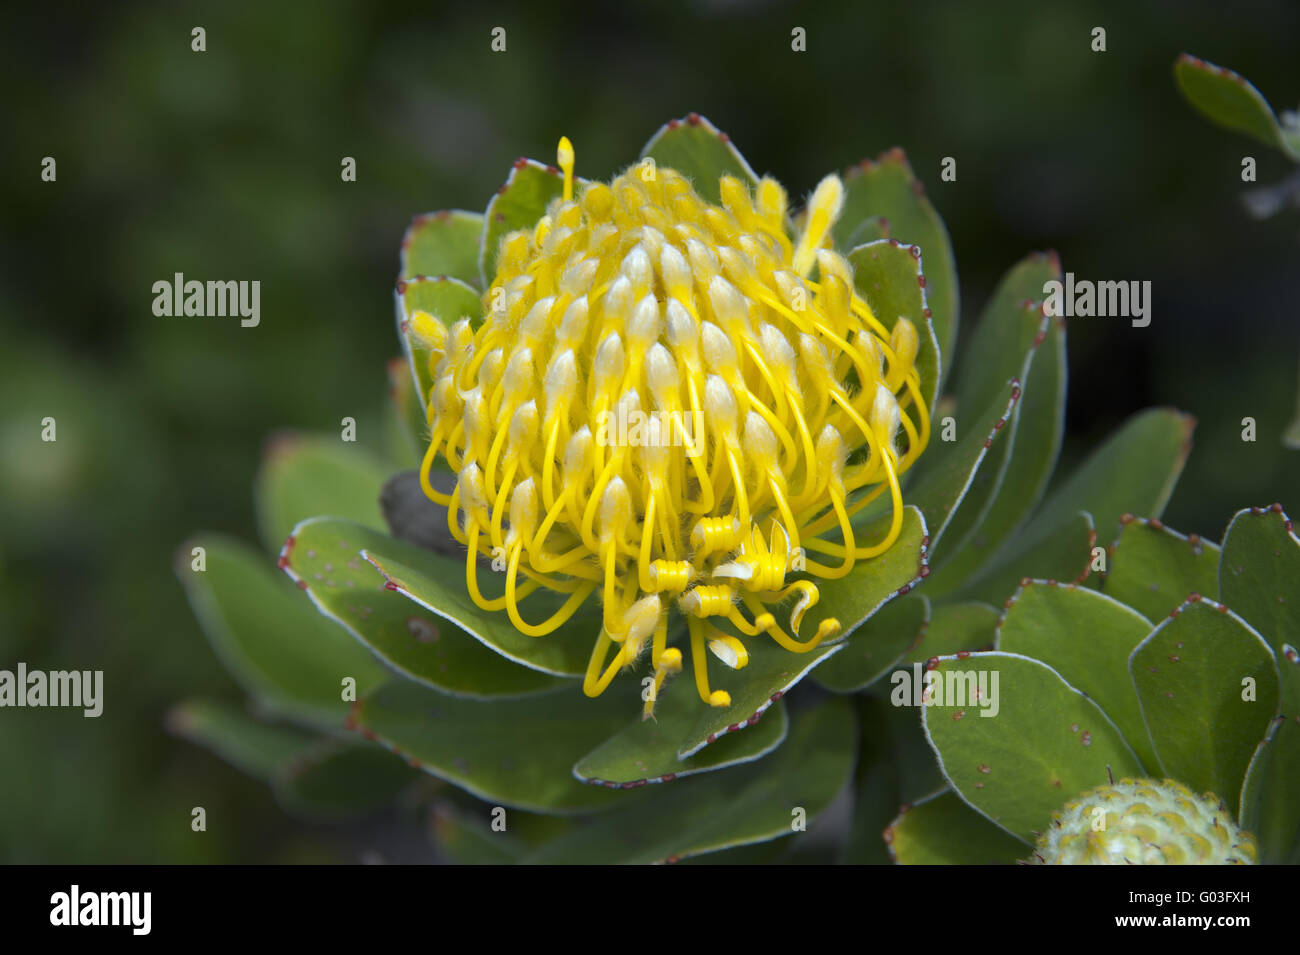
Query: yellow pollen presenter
x,y
663,411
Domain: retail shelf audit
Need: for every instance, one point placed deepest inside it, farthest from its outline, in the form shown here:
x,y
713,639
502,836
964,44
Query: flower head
x,y
661,407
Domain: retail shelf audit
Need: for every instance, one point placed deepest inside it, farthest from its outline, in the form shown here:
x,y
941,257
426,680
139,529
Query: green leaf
x,y
943,830
735,807
1047,742
443,243
1268,804
511,752
306,475
1153,569
437,583
948,473
446,299
851,600
646,750
895,766
1033,450
1231,101
1259,578
1066,556
1087,638
877,646
954,627
465,840
700,151
465,834
337,779
325,560
1190,674
1133,472
889,277
248,744
518,204
888,188
771,672
270,639
1004,347
870,229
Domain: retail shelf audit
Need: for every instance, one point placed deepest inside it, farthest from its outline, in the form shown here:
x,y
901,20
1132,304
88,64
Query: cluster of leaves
x,y
497,718
1143,674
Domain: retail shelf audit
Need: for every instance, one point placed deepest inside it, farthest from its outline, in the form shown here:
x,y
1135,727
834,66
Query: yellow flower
x,y
662,406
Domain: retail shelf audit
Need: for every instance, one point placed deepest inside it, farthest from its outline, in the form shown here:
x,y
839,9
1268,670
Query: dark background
x,y
225,165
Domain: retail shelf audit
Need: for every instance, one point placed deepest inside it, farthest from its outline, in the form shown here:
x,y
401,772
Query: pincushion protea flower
x,y
656,400
754,410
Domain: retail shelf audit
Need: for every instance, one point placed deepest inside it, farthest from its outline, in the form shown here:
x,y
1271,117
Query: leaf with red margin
x,y
887,188
443,243
701,152
1230,100
1189,675
324,557
1153,569
511,752
942,830
715,811
647,750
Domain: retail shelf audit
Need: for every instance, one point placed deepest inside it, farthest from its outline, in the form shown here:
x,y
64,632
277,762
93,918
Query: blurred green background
x,y
225,165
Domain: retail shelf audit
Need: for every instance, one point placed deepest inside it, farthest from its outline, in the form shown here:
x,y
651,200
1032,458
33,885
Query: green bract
x,y
366,641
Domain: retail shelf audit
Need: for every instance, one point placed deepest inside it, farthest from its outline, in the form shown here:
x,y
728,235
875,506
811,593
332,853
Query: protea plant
x,y
1146,675
645,420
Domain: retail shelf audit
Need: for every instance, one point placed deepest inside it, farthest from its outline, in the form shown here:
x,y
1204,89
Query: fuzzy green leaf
x,y
1191,675
943,830
437,583
1133,472
1066,556
1228,99
700,151
278,648
887,188
1087,638
895,766
890,278
1004,347
1259,578
512,752
950,474
1033,450
646,750
443,243
735,807
518,204
446,299
1047,742
229,731
325,559
306,475
877,646
1154,569
337,779
955,627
